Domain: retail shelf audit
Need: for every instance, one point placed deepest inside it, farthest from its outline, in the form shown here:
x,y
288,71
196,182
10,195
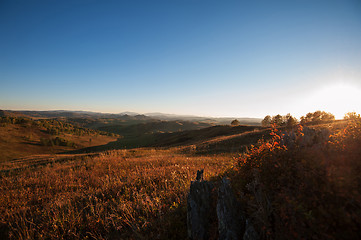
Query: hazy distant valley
x,y
34,131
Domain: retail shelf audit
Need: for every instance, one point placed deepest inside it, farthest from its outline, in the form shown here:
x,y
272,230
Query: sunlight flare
x,y
338,99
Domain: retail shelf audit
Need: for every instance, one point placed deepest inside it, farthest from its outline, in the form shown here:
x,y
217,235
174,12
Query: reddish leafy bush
x,y
295,190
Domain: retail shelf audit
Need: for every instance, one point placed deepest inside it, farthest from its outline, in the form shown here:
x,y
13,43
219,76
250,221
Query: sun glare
x,y
337,99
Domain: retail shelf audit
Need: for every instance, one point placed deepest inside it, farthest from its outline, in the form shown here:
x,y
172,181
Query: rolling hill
x,y
215,139
21,137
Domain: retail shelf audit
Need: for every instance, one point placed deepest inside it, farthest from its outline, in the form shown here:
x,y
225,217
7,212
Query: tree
x,y
351,116
277,120
289,120
326,116
235,122
266,121
317,117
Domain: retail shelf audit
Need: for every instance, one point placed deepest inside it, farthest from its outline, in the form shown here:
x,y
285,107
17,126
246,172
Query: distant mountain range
x,y
129,116
68,114
217,120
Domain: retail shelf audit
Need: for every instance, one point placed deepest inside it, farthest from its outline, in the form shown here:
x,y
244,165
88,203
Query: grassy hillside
x,y
124,194
156,126
21,137
215,134
206,140
106,121
303,184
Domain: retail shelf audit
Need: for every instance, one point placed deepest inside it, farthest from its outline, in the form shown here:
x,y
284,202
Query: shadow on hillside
x,y
100,148
31,143
213,140
170,225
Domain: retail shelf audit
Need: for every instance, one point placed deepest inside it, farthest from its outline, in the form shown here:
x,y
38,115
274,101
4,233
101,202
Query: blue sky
x,y
209,58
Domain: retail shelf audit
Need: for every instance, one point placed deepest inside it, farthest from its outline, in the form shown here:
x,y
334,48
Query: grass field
x,y
126,194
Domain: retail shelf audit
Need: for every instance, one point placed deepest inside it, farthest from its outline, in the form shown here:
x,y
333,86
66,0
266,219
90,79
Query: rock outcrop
x,y
199,208
229,213
250,233
231,217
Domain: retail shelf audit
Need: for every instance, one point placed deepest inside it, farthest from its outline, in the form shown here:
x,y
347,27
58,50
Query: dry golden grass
x,y
124,194
21,140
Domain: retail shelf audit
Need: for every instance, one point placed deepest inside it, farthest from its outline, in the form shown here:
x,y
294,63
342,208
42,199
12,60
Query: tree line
x,y
310,118
279,120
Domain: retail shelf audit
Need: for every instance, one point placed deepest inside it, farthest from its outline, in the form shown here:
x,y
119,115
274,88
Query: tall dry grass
x,y
125,194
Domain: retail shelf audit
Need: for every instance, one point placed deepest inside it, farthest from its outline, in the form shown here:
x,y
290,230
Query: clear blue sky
x,y
209,58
